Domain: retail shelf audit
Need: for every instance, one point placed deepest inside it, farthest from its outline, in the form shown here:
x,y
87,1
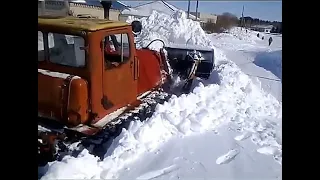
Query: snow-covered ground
x,y
229,127
254,56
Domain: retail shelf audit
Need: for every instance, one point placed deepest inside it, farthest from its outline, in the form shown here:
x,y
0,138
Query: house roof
x,y
147,8
115,4
78,24
118,5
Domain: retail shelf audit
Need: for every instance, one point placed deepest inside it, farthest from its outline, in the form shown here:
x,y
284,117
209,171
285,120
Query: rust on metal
x,y
65,91
78,24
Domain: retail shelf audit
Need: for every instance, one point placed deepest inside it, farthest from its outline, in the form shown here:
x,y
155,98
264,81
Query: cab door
x,y
119,73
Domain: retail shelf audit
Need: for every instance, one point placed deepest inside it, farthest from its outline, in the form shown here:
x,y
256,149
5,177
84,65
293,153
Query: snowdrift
x,y
271,61
236,98
246,35
239,34
236,39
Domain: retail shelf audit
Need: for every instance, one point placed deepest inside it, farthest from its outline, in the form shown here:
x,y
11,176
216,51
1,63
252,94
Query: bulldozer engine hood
x,y
62,97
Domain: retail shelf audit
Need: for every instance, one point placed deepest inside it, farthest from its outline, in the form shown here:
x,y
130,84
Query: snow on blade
x,y
175,29
236,98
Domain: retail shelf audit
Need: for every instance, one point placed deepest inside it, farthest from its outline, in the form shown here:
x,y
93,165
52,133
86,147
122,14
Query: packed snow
x,y
271,61
255,58
229,126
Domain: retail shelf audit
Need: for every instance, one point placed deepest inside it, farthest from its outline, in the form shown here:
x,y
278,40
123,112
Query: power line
x,y
271,79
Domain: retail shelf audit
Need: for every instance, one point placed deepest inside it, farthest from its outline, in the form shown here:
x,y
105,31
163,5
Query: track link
x,y
99,143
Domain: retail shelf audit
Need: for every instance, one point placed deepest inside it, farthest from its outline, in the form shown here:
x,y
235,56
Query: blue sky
x,y
265,10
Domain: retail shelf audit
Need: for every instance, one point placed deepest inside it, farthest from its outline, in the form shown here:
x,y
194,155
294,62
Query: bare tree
x,y
227,20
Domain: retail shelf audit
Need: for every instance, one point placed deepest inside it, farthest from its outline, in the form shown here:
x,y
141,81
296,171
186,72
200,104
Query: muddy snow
x,y
229,126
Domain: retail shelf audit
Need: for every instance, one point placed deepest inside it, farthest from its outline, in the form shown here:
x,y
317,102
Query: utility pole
x,y
188,8
242,19
197,10
106,8
43,7
66,5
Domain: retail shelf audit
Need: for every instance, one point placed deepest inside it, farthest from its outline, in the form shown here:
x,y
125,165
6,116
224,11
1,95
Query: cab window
x,y
40,46
64,49
116,50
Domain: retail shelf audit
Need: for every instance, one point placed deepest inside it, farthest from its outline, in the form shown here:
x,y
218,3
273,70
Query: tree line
x,y
249,22
228,20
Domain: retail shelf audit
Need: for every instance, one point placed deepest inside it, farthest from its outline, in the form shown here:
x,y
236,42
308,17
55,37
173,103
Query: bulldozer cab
x,y
100,51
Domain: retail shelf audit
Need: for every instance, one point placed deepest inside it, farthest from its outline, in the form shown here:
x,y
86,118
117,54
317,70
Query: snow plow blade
x,y
180,61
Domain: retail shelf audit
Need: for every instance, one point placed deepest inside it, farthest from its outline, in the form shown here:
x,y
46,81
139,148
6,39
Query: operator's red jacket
x,y
110,50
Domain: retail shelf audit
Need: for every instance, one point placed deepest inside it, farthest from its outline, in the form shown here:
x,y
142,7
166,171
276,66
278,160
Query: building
x,y
204,18
79,8
262,28
145,10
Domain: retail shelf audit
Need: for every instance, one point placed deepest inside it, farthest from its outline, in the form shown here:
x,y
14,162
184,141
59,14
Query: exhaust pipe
x,y
106,7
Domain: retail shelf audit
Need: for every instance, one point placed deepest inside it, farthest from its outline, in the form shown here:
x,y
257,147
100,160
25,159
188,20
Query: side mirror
x,y
136,26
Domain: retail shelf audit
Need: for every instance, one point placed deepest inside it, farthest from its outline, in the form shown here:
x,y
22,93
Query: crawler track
x,y
99,143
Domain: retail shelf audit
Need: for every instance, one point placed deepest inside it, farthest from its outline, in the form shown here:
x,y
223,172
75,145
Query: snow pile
x,y
176,29
131,18
83,167
271,61
235,99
